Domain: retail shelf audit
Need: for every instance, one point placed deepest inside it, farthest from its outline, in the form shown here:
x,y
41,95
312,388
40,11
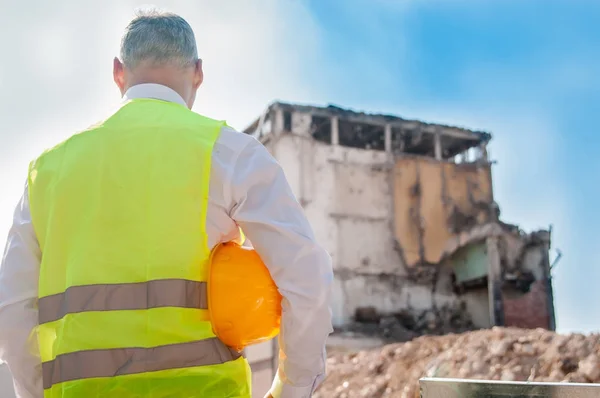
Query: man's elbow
x,y
322,304
308,278
320,279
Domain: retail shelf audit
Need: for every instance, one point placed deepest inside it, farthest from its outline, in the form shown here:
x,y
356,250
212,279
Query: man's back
x,y
148,165
120,214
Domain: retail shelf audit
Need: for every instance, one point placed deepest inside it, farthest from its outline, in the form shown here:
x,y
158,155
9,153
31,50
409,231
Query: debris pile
x,y
496,354
407,324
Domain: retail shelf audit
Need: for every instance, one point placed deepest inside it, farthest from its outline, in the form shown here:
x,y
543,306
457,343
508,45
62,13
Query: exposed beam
x,y
496,305
382,120
437,145
335,130
388,138
278,122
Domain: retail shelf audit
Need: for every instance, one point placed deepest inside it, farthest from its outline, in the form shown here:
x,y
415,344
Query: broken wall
x,y
396,225
529,310
348,197
527,292
434,201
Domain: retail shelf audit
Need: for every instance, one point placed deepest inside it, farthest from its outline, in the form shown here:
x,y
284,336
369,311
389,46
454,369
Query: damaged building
x,y
406,210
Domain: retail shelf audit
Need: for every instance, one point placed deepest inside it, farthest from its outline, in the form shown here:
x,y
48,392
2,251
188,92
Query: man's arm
x,y
269,214
19,275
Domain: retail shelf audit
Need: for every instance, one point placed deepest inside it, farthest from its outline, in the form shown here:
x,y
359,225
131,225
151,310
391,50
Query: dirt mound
x,y
496,354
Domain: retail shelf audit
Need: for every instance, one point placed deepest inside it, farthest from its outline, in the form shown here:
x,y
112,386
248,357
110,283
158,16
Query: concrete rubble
x,y
509,354
407,324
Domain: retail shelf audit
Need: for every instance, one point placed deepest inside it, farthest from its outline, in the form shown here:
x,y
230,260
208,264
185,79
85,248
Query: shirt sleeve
x,y
274,222
19,275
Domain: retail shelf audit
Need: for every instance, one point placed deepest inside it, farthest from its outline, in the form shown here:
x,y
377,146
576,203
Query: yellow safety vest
x,y
120,214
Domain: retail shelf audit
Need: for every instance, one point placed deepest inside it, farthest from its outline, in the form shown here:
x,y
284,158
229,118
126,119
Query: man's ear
x,y
119,74
198,74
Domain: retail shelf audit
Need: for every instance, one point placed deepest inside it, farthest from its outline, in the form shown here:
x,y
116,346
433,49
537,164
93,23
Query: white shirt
x,y
247,188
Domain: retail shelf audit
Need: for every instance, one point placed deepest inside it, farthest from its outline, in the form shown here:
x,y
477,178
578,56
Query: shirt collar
x,y
154,91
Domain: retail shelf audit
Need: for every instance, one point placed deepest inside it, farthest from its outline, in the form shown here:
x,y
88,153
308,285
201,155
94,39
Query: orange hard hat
x,y
243,301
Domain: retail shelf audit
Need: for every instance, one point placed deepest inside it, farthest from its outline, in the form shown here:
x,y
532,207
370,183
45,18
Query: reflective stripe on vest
x,y
124,361
123,296
120,213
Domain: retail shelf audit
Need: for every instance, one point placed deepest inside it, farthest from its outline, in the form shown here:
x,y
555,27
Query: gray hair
x,y
159,38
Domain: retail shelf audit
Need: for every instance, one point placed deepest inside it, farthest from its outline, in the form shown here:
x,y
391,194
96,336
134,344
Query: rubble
x,y
406,324
509,354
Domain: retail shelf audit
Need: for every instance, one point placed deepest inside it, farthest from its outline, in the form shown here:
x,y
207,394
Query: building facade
x,y
407,212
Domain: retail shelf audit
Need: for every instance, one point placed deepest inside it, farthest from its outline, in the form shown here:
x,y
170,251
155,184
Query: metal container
x,y
458,388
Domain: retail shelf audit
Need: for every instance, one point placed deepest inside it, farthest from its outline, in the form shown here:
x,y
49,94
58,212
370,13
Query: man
x,y
105,259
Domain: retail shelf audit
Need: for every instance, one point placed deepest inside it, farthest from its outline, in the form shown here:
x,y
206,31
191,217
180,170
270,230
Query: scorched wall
x,y
347,194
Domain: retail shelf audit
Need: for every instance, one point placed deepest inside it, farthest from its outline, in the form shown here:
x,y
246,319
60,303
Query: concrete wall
x,y
347,194
435,201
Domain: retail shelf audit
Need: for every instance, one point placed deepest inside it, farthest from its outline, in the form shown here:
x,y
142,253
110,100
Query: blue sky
x,y
524,70
527,71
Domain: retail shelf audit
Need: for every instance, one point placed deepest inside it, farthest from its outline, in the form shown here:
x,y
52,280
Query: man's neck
x,y
155,91
179,87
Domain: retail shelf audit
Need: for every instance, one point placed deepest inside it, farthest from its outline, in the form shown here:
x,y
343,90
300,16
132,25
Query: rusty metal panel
x,y
434,201
457,388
